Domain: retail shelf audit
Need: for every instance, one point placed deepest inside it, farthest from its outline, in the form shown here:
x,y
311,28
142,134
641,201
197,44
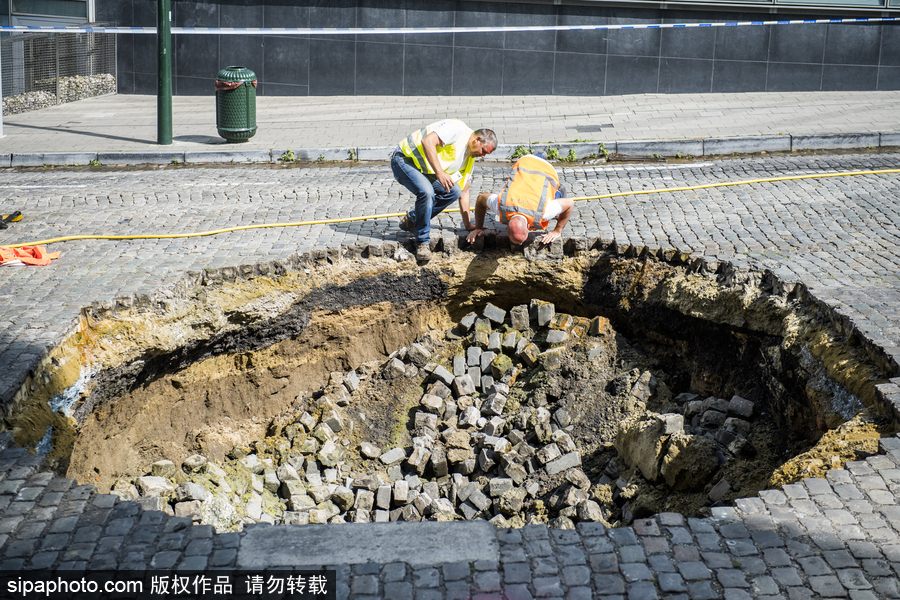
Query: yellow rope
x,y
390,215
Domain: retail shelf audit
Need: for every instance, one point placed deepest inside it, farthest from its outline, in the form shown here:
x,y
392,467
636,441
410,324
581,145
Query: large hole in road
x,y
583,382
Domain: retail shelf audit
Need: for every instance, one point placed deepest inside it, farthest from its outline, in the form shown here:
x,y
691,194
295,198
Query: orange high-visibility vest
x,y
533,183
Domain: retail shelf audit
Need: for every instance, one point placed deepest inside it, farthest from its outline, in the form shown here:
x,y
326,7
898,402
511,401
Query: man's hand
x,y
445,180
475,233
429,144
549,237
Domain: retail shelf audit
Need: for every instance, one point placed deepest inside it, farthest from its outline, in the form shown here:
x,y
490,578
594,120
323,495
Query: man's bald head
x,y
517,228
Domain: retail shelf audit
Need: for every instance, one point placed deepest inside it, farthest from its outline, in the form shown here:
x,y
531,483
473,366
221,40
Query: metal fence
x,y
46,69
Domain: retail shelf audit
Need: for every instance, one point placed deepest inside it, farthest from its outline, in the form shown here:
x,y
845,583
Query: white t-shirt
x,y
551,210
450,131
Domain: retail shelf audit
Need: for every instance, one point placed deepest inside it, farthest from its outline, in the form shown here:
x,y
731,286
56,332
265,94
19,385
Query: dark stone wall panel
x,y
144,13
890,45
853,44
745,43
282,89
372,78
787,43
194,14
332,67
243,51
196,56
794,77
333,13
145,54
531,16
588,41
685,76
889,78
579,74
584,62
480,14
381,14
738,76
194,86
839,78
688,42
427,71
476,72
283,15
527,73
438,13
631,75
286,60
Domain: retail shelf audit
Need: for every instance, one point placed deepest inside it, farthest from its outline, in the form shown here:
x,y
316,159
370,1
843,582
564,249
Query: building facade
x,y
750,58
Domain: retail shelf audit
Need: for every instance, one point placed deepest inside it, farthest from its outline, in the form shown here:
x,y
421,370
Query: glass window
x,y
834,2
61,8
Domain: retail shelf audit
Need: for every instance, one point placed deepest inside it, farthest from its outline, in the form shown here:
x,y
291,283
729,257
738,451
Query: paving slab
x,y
416,544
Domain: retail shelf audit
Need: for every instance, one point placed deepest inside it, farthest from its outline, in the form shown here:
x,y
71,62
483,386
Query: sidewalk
x,y
331,126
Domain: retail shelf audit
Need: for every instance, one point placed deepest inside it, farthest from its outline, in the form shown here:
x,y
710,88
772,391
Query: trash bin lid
x,y
235,73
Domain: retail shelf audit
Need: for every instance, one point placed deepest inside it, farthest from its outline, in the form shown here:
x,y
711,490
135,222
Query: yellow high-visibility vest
x,y
447,154
533,183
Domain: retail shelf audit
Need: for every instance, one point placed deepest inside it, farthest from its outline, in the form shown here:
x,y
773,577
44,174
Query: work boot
x,y
423,253
406,224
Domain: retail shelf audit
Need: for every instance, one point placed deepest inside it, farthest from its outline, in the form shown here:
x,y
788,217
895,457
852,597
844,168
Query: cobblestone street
x,y
822,538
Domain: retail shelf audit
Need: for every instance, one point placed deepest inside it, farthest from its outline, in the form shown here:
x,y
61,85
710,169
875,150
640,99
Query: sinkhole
x,y
585,381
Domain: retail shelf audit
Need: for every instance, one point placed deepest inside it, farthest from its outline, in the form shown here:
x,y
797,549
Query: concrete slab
x,y
746,144
374,153
5,160
581,149
831,141
661,147
161,157
228,156
889,138
39,159
322,154
417,544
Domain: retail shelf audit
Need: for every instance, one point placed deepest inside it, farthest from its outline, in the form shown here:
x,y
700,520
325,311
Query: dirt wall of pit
x,y
214,361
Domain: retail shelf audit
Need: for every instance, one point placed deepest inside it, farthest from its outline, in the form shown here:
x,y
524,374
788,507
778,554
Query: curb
x,y
688,147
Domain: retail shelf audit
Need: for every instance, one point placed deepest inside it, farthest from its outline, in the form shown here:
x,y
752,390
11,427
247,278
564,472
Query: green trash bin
x,y
236,103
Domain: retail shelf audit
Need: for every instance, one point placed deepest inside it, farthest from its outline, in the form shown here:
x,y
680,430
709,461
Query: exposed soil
x,y
227,364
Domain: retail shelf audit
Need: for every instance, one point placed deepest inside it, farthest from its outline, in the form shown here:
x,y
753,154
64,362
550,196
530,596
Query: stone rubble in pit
x,y
482,446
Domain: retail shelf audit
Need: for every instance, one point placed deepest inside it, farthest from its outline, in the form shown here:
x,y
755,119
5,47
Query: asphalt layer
x,y
840,236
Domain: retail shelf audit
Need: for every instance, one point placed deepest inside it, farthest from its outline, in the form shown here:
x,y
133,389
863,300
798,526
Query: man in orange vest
x,y
531,199
435,163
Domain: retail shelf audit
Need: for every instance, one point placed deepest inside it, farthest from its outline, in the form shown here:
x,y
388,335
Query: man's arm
x,y
480,212
567,205
430,143
464,206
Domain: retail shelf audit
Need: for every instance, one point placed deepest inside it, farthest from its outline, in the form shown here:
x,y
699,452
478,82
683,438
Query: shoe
x,y
406,224
423,253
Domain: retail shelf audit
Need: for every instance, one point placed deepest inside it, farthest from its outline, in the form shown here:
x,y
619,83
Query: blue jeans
x,y
431,197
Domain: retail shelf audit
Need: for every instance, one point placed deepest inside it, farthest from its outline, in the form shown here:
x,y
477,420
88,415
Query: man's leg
x,y
443,198
424,189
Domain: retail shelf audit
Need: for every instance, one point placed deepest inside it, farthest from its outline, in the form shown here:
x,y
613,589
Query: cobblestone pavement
x,y
834,537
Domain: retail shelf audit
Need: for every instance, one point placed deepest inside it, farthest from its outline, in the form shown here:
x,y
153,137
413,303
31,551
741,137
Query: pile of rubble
x,y
475,448
686,458
73,88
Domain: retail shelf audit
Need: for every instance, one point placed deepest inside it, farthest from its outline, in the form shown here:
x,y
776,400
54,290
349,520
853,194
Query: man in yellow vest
x,y
531,199
435,163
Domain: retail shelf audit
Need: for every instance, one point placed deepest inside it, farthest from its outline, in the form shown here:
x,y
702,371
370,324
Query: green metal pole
x,y
164,90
